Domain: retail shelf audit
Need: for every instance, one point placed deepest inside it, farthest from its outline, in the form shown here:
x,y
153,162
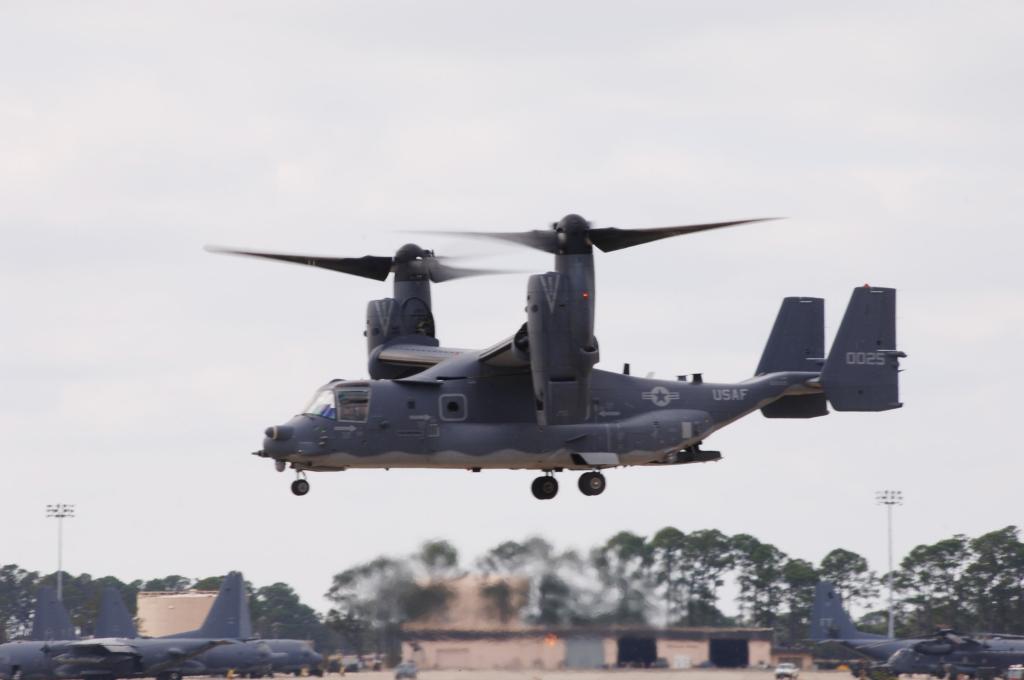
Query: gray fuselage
x,y
459,414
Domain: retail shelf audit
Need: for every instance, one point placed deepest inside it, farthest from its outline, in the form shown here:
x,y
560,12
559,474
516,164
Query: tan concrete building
x,y
162,613
481,629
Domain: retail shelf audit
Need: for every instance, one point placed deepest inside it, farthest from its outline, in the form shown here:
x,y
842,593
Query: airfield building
x,y
162,613
475,632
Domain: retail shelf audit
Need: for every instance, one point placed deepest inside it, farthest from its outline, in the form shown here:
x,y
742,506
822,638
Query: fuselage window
x,y
453,407
353,404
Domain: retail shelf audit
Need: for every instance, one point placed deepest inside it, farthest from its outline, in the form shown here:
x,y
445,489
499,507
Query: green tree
x,y
208,583
670,571
931,586
439,559
622,566
709,556
759,575
799,579
17,601
995,580
375,598
854,581
169,584
554,603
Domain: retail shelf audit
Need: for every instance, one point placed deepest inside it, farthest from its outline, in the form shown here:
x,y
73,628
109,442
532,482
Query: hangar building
x,y
469,635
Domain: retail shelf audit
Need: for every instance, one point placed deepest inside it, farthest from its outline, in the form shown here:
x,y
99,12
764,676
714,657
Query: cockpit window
x,y
322,405
353,403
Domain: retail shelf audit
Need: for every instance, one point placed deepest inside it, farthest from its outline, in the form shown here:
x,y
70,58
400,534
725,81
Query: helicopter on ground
x,y
535,400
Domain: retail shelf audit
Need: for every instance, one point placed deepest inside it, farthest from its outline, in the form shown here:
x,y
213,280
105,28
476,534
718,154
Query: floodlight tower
x,y
889,498
60,511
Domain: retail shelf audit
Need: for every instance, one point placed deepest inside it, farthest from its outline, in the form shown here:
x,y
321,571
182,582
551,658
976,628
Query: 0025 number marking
x,y
865,358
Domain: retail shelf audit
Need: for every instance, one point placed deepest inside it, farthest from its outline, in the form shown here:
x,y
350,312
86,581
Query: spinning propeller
x,y
410,262
574,235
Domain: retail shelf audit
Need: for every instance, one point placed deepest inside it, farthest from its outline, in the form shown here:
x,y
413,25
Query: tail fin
x,y
114,619
862,369
797,343
51,620
229,615
829,621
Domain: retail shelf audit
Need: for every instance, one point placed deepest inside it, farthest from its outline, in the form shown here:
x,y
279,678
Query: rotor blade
x,y
441,272
608,239
368,266
546,240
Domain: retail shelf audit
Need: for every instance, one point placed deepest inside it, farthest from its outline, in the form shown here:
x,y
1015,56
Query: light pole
x,y
60,511
889,498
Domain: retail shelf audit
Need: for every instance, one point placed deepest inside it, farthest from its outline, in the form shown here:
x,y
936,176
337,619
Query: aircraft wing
x,y
500,355
93,652
422,356
179,654
503,355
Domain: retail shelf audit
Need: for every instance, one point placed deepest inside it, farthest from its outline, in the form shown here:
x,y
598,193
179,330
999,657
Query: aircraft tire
x,y
592,483
300,487
544,488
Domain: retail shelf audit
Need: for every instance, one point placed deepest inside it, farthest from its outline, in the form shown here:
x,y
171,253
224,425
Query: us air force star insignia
x,y
660,396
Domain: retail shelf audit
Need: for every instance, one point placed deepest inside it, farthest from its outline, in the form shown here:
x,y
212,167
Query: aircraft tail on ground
x,y
829,621
861,372
797,343
51,620
229,616
114,621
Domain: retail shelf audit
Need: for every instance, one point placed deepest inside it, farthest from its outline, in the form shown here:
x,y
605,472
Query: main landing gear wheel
x,y
544,488
592,483
300,487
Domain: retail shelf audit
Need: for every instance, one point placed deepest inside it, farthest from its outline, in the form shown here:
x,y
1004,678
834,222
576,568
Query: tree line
x,y
674,578
671,578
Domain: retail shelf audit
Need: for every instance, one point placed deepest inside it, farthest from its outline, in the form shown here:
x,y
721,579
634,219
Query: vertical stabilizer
x,y
114,619
862,369
829,621
51,620
796,343
229,616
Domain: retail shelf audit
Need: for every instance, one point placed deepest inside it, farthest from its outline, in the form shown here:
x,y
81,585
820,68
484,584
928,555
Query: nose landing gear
x,y
544,488
300,487
592,483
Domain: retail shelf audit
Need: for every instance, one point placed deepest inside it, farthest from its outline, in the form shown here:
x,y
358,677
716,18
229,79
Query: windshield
x,y
321,405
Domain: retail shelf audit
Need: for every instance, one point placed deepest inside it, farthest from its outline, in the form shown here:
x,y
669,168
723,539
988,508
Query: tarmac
x,y
617,674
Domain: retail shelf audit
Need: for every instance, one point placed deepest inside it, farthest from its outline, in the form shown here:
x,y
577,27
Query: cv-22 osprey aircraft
x,y
535,399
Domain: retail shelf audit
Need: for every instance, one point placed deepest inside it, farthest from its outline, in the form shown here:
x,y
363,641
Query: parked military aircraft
x,y
945,653
25,659
830,623
296,657
229,618
949,653
227,623
535,401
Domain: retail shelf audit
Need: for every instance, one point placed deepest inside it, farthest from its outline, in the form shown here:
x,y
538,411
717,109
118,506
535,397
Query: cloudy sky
x,y
138,371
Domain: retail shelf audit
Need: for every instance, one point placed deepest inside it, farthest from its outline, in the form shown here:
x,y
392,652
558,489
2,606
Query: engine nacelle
x,y
408,321
562,348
